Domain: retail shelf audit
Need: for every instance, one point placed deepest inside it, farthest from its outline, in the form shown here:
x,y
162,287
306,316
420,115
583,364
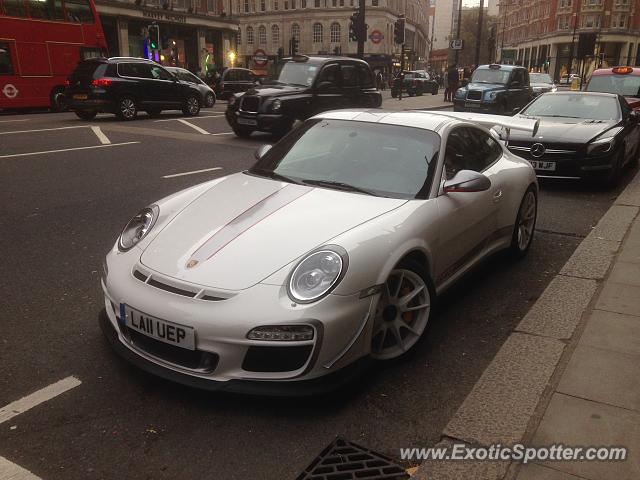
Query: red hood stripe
x,y
244,221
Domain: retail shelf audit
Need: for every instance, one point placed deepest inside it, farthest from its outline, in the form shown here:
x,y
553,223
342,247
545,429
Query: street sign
x,y
376,36
260,58
455,44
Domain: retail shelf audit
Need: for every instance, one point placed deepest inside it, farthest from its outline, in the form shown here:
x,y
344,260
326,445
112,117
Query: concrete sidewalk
x,y
424,102
570,372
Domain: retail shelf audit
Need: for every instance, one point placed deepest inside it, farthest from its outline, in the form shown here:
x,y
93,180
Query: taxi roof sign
x,y
622,70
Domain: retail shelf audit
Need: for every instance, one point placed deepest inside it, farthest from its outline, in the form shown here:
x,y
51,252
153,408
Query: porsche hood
x,y
245,228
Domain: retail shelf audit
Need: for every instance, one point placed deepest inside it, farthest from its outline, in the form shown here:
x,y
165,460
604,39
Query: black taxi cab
x,y
306,86
499,89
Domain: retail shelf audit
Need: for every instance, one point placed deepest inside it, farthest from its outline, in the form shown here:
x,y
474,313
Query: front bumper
x,y
263,122
341,325
461,105
571,167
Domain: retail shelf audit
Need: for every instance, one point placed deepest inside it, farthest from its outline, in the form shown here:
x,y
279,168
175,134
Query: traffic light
x,y
154,36
398,30
353,25
280,52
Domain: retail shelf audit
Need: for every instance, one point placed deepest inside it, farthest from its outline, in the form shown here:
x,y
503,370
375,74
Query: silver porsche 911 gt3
x,y
329,252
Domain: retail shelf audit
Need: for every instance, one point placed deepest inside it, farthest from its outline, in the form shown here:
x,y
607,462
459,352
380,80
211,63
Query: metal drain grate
x,y
343,460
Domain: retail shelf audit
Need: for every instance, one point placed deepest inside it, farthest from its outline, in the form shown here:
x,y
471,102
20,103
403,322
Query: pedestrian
x,y
447,93
454,81
379,79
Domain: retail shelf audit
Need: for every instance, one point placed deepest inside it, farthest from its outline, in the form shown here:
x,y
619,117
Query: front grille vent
x,y
474,95
186,291
250,104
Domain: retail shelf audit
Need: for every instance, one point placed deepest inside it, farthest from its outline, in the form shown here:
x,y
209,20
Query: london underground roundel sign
x,y
260,58
376,36
10,91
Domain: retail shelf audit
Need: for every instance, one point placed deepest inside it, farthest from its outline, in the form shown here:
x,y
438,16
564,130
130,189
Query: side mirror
x,y
262,150
467,181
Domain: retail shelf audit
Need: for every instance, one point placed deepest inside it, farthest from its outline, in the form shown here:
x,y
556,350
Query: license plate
x,y
540,165
247,121
162,330
79,97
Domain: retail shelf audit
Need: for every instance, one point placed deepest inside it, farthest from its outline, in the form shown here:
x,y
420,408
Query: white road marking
x,y
195,127
11,471
21,120
192,172
65,150
223,133
101,136
192,118
36,398
44,129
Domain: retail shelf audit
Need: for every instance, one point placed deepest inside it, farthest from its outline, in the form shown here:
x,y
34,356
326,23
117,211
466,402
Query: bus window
x,y
13,8
6,68
46,9
78,11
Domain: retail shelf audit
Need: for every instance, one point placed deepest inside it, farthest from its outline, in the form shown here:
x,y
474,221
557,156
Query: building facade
x,y
540,34
196,34
322,27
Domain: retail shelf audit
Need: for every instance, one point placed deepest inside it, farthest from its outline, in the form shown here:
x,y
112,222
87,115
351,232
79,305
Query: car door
x,y
166,91
351,96
137,81
466,219
366,85
327,91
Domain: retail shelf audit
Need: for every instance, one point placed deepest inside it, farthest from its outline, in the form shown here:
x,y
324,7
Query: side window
x,y
329,73
78,11
518,76
6,66
245,76
469,149
13,8
231,76
126,70
365,77
159,73
349,75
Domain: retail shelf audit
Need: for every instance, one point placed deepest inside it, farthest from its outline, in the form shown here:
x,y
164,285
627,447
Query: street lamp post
x,y
458,30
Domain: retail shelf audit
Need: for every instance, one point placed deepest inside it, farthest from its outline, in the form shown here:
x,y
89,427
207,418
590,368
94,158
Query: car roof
x,y
500,67
320,59
417,119
609,71
128,59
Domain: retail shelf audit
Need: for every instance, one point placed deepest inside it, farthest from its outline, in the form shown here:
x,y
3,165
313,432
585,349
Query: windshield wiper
x,y
338,185
559,116
274,176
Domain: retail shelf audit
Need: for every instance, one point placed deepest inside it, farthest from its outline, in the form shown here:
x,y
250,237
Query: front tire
x,y
209,100
127,108
191,106
525,224
58,100
613,177
403,311
86,114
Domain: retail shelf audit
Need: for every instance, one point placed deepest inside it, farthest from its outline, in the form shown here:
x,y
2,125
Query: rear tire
x,y
127,108
86,114
419,91
58,100
525,224
191,106
209,100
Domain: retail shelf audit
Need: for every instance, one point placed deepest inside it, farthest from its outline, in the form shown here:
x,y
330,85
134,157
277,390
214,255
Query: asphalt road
x,y
61,211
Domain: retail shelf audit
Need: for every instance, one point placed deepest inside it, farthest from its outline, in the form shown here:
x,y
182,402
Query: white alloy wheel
x,y
402,314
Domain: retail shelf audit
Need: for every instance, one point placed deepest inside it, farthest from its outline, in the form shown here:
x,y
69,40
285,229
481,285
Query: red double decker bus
x,y
41,41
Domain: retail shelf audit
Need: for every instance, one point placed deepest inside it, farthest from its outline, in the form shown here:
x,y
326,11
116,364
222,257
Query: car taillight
x,y
101,82
67,83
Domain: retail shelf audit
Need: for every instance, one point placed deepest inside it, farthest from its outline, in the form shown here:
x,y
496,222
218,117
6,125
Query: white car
x,y
329,252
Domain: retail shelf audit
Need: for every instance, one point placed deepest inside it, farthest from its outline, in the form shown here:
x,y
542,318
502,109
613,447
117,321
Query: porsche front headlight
x,y
138,227
316,275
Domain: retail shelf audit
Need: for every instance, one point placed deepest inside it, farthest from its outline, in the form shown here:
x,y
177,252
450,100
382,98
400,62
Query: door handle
x,y
497,196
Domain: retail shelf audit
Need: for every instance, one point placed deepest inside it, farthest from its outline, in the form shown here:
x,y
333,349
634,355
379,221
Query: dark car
x,y
541,83
235,80
581,136
305,86
415,83
495,88
624,81
185,75
124,85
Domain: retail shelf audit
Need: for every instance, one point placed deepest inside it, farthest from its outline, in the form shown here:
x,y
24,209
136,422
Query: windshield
x,y
384,160
540,78
490,76
296,73
593,107
626,85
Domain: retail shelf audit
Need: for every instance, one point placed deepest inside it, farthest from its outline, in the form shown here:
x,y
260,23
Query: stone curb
x,y
504,401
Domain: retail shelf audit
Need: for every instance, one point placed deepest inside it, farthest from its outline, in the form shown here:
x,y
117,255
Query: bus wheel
x,y
86,114
58,100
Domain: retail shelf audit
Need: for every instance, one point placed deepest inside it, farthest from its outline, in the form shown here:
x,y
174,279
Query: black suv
x,y
123,85
235,80
414,83
501,89
305,86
